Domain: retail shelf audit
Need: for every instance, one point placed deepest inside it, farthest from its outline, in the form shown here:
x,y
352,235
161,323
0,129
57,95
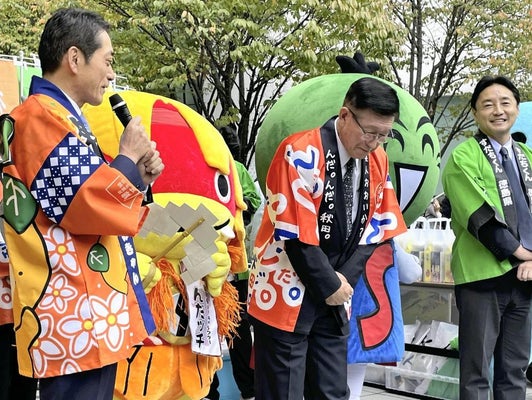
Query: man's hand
x,y
150,165
524,271
343,294
523,254
134,142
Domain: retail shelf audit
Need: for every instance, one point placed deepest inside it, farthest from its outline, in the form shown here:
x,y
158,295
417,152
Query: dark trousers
x,y
494,324
95,384
12,385
239,352
291,366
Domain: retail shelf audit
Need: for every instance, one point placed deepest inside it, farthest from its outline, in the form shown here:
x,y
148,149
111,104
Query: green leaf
x,y
20,206
98,258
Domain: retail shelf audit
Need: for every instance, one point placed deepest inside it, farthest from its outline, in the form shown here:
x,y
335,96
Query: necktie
x,y
90,139
524,219
348,193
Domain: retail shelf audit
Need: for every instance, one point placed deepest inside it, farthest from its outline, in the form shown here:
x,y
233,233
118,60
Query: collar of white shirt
x,y
342,152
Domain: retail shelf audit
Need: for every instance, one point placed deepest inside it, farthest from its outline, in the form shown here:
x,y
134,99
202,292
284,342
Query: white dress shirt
x,y
357,171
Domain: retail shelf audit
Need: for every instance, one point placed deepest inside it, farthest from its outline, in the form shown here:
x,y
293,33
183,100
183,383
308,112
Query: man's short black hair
x,y
69,27
487,81
373,94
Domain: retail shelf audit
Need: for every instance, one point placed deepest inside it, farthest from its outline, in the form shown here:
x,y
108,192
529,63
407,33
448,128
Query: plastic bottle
x,y
417,241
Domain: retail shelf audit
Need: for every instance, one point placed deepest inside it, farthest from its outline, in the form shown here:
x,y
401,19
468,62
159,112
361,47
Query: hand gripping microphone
x,y
119,106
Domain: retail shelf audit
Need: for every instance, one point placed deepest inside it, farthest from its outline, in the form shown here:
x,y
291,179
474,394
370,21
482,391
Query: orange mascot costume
x,y
193,237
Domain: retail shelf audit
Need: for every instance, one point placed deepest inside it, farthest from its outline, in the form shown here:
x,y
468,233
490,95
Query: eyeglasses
x,y
372,136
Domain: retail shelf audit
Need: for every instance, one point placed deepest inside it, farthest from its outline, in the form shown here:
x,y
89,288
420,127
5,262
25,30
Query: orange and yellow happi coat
x,y
77,299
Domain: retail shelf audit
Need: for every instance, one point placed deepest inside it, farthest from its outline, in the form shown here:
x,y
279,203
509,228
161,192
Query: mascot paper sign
x,y
193,236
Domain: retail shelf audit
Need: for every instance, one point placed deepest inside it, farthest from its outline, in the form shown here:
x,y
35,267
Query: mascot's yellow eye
x,y
223,187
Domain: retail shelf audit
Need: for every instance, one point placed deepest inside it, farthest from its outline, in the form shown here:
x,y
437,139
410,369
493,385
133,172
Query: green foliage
x,y
230,59
23,23
21,27
452,44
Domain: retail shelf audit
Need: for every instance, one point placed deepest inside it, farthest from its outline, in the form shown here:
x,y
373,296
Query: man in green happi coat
x,y
492,258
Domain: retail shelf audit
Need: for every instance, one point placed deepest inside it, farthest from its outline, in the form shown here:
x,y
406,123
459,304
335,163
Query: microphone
x,y
119,107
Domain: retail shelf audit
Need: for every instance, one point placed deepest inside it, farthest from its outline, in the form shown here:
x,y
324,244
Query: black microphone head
x,y
119,107
116,101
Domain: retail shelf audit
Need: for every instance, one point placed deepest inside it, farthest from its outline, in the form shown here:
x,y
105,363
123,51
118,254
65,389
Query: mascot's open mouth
x,y
409,181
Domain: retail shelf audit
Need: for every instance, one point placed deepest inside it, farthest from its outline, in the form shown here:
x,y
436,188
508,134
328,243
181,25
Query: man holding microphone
x,y
77,299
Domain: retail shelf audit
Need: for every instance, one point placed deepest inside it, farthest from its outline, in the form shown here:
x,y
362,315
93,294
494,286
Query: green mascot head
x,y
414,152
